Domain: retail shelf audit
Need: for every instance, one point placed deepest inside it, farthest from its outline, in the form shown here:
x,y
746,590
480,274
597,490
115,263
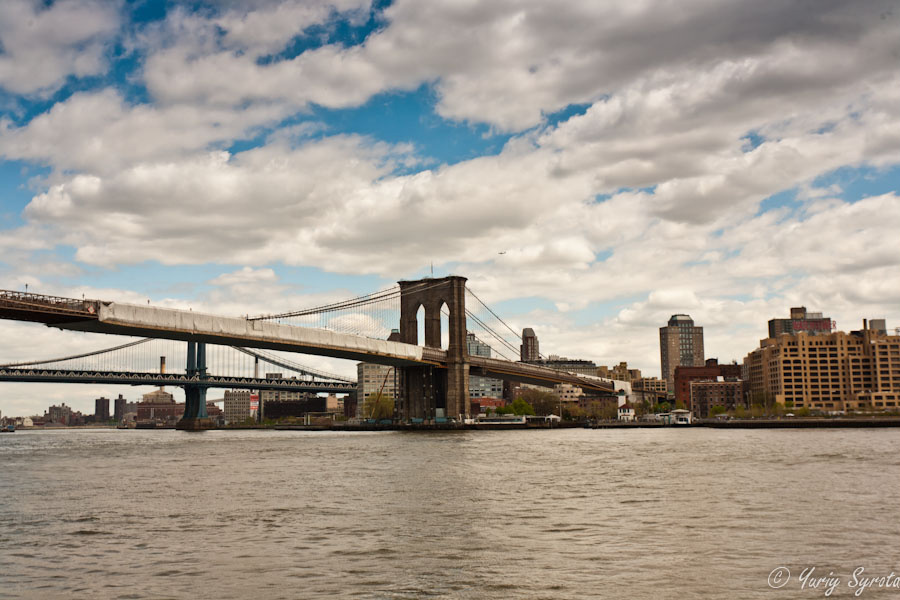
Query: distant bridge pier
x,y
429,392
195,417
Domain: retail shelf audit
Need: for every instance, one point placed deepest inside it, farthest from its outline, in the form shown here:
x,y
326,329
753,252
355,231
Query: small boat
x,y
8,429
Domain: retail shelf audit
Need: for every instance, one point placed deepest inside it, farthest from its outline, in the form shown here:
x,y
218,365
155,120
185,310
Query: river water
x,y
672,513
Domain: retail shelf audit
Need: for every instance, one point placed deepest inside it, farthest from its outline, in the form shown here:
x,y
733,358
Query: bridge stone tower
x,y
426,389
195,417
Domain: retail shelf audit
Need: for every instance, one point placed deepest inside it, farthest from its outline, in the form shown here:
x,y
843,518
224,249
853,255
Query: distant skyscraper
x,y
101,410
529,351
680,345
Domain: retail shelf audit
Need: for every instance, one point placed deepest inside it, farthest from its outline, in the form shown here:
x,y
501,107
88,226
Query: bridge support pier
x,y
430,393
195,417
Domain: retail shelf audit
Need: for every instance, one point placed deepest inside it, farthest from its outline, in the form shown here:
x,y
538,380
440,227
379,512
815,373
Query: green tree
x,y
378,406
609,410
543,402
716,411
520,407
573,412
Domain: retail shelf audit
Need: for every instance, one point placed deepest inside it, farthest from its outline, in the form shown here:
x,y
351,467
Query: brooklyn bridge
x,y
382,327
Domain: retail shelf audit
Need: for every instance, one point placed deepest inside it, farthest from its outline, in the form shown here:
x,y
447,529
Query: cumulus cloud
x,y
41,44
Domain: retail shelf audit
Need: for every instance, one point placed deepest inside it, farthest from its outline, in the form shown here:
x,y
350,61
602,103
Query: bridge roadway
x,y
38,375
115,318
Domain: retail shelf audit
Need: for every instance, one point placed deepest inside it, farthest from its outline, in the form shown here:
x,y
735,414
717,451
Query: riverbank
x,y
793,423
783,423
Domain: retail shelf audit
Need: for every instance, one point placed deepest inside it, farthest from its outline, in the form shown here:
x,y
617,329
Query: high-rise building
x,y
237,405
482,387
831,372
119,408
680,345
101,410
801,320
529,350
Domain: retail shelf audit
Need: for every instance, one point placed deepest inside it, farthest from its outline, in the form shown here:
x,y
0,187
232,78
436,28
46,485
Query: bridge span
x,y
434,381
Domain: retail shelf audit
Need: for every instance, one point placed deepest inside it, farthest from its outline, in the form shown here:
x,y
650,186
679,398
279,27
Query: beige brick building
x,y
830,372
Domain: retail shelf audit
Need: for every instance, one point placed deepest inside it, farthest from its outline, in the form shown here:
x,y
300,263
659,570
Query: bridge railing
x,y
56,304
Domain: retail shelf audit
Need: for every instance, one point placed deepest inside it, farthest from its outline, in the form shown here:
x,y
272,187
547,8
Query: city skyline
x,y
591,170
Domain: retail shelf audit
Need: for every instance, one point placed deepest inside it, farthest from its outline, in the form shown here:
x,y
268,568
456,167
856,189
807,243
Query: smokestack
x,y
865,324
162,371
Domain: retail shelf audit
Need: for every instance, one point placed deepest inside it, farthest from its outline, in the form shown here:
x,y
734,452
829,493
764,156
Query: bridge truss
x,y
158,362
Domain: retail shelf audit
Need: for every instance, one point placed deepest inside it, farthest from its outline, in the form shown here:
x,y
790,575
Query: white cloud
x,y
41,45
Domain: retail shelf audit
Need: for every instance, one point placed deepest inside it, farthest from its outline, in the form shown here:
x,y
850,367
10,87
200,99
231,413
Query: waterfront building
x,y
482,387
801,320
706,395
159,406
373,379
626,412
710,371
237,406
485,403
529,350
58,414
680,345
101,410
830,372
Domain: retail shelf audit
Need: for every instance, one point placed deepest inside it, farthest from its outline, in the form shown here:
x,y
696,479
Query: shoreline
x,y
792,423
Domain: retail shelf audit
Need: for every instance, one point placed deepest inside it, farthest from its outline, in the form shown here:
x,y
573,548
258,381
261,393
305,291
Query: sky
x,y
591,167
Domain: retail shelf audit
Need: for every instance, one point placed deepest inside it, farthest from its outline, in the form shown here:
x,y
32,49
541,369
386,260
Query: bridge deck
x,y
147,321
38,375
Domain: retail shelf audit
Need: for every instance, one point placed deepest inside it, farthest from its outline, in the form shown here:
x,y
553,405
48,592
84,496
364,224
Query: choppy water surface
x,y
509,514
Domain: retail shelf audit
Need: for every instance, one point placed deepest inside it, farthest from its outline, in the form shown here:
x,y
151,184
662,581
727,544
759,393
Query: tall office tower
x,y
680,345
528,351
